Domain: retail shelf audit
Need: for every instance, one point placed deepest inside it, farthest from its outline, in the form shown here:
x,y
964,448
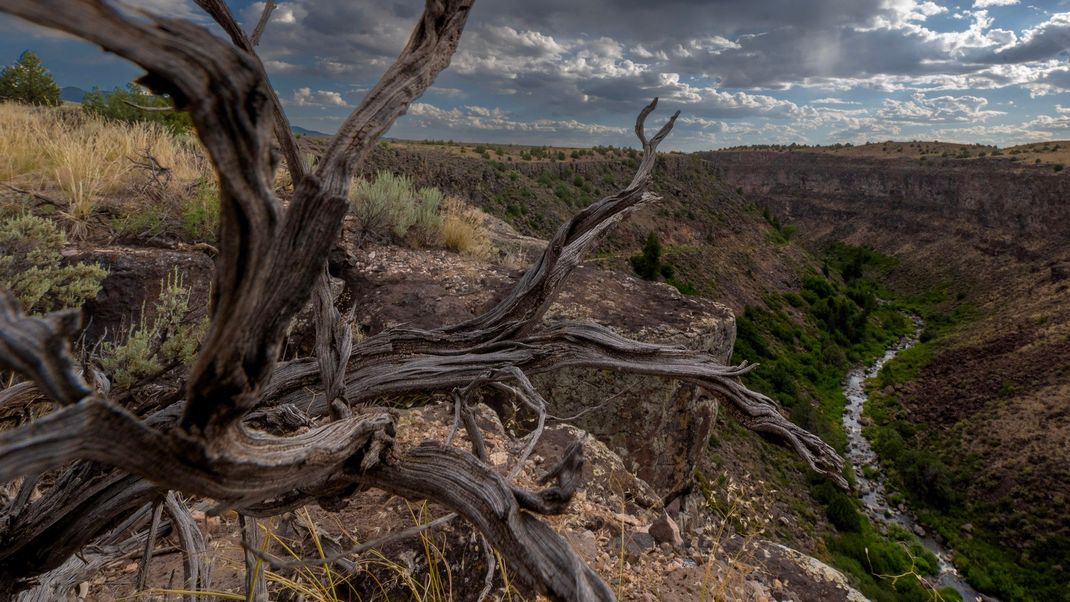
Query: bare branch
x,y
334,340
150,543
428,52
251,539
40,348
149,109
196,562
488,579
541,559
283,133
265,16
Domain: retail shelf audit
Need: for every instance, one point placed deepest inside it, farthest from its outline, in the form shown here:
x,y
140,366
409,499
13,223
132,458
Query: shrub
x,y
28,82
427,223
200,212
170,340
377,203
390,205
843,515
647,262
32,268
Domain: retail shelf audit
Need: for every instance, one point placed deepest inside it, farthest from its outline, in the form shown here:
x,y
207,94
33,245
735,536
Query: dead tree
x,y
112,466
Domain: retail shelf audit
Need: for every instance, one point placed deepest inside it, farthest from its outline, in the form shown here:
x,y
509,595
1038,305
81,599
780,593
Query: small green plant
x,y
427,222
148,221
781,233
28,82
200,213
384,204
150,348
32,267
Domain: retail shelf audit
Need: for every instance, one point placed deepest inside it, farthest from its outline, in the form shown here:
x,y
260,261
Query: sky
x,y
576,72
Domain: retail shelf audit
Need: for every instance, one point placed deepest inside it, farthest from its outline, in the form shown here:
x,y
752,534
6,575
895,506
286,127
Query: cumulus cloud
x,y
988,3
833,101
306,97
941,109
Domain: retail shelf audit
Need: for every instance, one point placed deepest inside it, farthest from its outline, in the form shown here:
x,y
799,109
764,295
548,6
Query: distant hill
x,y
72,94
306,132
1055,153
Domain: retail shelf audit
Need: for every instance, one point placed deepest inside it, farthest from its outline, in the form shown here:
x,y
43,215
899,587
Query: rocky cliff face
x,y
981,197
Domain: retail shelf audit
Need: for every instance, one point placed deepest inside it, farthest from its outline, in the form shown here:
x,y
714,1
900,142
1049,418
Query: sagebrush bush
x,y
427,222
379,204
200,210
171,339
390,205
32,268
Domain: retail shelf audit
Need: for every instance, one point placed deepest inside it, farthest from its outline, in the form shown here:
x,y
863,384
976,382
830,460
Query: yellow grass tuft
x,y
462,229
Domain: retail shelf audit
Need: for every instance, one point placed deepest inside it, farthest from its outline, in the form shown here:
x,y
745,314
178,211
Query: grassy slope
x,y
939,481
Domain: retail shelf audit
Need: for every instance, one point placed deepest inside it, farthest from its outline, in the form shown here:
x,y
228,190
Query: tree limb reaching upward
x,y
269,265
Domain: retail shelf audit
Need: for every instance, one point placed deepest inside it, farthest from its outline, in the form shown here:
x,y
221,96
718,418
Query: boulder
x,y
666,531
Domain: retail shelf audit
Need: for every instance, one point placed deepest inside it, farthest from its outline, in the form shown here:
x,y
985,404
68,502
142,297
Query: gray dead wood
x,y
265,16
150,544
195,552
252,539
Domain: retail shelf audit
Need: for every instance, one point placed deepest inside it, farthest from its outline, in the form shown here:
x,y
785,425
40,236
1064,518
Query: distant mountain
x,y
306,132
72,94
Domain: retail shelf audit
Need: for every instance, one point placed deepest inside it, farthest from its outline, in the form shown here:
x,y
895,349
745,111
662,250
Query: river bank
x,y
871,480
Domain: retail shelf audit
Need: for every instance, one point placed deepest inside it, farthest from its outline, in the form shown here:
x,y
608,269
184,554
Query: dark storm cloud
x,y
740,70
518,47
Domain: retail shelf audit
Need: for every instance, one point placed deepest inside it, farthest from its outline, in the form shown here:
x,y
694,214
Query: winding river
x,y
872,491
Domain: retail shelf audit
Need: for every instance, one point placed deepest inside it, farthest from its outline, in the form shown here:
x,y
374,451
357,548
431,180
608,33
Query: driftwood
x,y
112,463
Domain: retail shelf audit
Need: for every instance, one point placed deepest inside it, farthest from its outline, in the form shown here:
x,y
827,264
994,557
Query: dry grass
x,y
462,229
83,160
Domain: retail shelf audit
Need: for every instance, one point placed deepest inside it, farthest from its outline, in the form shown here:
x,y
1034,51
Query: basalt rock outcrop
x,y
980,198
136,276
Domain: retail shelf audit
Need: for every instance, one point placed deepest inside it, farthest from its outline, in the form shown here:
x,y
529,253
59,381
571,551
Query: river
x,y
872,491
